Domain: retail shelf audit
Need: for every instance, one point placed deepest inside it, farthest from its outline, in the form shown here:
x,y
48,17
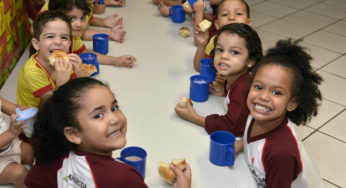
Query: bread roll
x,y
57,54
184,32
204,25
182,102
165,171
89,68
187,5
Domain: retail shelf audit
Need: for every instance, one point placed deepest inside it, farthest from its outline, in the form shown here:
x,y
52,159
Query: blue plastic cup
x,y
222,148
206,69
177,14
191,2
100,43
136,157
29,117
90,58
199,88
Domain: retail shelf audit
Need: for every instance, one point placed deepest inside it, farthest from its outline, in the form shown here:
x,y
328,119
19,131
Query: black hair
x,y
67,5
42,19
245,3
59,111
252,40
289,54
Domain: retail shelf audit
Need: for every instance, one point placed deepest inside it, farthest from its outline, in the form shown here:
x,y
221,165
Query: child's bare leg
x,y
14,173
164,10
27,152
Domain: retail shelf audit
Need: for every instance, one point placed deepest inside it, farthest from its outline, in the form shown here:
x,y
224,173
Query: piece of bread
x,y
57,54
89,68
184,32
204,25
182,102
165,171
187,5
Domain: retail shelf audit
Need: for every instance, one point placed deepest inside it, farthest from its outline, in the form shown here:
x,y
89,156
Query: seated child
x,y
38,78
77,10
74,136
116,31
283,92
13,152
238,48
228,11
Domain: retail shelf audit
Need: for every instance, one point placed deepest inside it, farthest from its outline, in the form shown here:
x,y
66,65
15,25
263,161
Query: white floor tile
x,y
252,2
303,131
320,56
288,29
328,155
326,111
330,10
336,127
259,19
337,2
297,3
333,87
338,28
268,39
310,19
329,185
273,9
337,67
328,41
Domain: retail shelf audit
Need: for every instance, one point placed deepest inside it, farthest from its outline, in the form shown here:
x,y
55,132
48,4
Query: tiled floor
x,y
322,24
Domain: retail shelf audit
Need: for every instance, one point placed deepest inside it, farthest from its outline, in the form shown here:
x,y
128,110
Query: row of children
x,y
265,96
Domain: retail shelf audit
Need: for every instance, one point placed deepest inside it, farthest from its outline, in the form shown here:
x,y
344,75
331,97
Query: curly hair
x,y
59,111
289,54
67,5
252,40
42,19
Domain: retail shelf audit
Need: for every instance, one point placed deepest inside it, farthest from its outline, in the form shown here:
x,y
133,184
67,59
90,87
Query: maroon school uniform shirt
x,y
84,169
234,120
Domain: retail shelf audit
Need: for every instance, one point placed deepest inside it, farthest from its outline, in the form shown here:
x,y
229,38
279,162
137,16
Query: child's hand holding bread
x,y
178,169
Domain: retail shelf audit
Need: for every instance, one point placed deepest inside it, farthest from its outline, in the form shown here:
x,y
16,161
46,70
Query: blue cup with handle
x,y
206,69
90,58
28,116
177,14
134,156
199,88
221,151
100,43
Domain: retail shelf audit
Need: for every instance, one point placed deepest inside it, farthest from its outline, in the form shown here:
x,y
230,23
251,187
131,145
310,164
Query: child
x,y
38,78
237,49
13,153
228,11
284,90
74,136
76,10
116,32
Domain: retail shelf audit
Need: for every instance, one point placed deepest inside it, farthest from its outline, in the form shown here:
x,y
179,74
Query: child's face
x,y
231,55
103,125
78,22
55,35
231,11
270,95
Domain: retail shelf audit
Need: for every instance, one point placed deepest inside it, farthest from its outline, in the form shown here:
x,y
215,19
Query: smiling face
x,y
231,55
270,95
231,11
78,21
55,35
103,125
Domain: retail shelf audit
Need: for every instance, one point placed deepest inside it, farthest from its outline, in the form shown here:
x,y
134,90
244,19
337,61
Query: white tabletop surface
x,y
148,93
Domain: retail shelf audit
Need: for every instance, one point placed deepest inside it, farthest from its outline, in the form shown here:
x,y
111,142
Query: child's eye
x,y
218,50
235,52
276,92
83,18
239,14
98,116
73,18
258,87
49,36
114,108
66,38
224,14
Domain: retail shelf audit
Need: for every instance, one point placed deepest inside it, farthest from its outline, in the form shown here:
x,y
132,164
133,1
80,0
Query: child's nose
x,y
232,16
264,95
114,119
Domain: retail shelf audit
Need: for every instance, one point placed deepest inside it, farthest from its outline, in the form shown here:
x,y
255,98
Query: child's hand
x,y
199,6
62,72
164,10
186,112
238,146
16,127
112,21
117,33
187,10
183,177
76,63
201,38
125,61
218,86
117,3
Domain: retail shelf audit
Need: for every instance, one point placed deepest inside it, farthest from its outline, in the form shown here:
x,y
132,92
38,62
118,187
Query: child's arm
x,y
117,3
116,33
189,114
238,146
198,7
14,130
76,63
121,61
9,108
201,40
167,2
183,177
110,21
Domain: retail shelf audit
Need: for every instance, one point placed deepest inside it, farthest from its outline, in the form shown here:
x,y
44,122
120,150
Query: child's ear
x,y
292,105
249,22
250,63
34,43
72,135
